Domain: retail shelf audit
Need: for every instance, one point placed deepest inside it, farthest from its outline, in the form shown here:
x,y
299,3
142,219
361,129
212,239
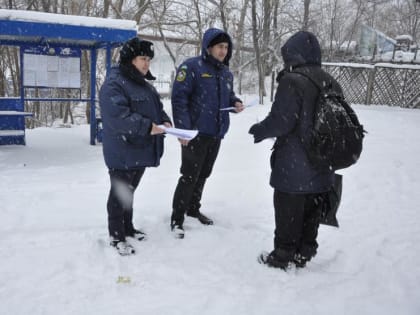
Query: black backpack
x,y
336,138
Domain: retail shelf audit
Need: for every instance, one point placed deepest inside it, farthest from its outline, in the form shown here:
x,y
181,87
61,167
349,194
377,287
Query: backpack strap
x,y
317,84
326,89
321,90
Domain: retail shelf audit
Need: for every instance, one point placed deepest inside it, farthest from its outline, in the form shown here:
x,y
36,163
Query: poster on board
x,y
56,67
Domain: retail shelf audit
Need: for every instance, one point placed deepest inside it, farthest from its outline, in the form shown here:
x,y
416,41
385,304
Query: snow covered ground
x,y
55,258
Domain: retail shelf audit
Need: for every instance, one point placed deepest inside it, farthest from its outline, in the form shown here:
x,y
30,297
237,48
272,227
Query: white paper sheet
x,y
180,133
251,103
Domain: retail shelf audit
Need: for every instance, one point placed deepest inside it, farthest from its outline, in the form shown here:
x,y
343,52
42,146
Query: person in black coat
x,y
131,113
299,187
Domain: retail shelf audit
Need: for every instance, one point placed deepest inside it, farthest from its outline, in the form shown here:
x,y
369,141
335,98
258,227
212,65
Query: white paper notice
x,y
51,71
252,103
74,80
52,62
52,78
180,133
29,78
30,62
42,77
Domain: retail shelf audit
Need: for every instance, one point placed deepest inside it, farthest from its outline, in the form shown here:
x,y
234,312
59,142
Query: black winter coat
x,y
291,117
129,105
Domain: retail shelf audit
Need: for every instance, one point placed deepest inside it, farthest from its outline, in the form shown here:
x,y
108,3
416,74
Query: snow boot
x,y
274,260
300,260
137,234
177,230
123,247
202,218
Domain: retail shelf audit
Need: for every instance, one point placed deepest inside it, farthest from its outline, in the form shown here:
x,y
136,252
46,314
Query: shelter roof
x,y
37,28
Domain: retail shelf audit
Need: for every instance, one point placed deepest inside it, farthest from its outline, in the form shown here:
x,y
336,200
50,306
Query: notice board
x,y
56,67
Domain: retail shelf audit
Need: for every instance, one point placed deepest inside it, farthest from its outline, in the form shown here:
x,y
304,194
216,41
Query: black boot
x,y
177,230
137,234
123,247
276,259
201,217
300,261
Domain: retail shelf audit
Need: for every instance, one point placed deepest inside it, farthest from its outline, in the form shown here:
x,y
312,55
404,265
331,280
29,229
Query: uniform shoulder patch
x,y
182,74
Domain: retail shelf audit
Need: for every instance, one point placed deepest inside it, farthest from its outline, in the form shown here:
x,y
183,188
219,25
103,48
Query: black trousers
x,y
198,159
120,201
297,221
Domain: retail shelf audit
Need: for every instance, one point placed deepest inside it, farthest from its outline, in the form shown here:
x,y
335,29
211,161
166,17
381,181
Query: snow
x,y
398,66
401,56
41,17
349,64
348,46
55,258
368,66
404,37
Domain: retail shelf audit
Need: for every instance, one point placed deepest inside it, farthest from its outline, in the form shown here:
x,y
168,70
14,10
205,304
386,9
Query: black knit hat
x,y
136,47
221,38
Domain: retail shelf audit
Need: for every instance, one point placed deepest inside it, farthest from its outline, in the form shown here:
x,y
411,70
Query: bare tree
x,y
159,20
140,9
266,33
403,17
107,5
261,87
222,8
239,36
356,21
198,15
373,10
305,24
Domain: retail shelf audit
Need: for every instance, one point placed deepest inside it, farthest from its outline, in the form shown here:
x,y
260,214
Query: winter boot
x,y
300,260
275,260
201,217
177,230
137,234
123,247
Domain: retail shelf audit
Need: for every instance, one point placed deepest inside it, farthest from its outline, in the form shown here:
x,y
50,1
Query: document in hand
x,y
180,133
251,103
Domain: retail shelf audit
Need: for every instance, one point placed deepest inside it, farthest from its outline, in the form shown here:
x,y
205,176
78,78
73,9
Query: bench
x,y
12,121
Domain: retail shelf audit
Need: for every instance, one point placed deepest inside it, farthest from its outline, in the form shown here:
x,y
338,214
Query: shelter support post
x,y
92,96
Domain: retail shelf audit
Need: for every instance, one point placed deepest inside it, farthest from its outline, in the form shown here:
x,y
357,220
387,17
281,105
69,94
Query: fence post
x,y
370,85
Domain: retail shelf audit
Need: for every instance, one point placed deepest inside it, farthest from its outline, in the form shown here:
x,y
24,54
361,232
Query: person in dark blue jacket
x,y
131,111
203,88
299,187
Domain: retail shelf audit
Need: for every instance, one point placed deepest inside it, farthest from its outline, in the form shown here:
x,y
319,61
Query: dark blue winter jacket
x,y
203,86
129,105
291,117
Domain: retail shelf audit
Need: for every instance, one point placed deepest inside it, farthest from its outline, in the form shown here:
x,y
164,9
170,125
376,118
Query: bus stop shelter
x,y
50,48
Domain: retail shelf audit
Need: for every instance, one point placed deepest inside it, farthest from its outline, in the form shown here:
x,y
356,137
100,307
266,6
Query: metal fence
x,y
163,87
380,84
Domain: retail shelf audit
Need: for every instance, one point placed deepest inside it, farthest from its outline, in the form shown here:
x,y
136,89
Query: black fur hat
x,y
136,47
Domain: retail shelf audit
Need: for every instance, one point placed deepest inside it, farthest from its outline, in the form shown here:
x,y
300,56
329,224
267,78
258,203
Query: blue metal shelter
x,y
54,31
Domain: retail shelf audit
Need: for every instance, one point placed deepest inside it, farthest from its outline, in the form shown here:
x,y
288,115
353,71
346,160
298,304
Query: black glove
x,y
255,131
